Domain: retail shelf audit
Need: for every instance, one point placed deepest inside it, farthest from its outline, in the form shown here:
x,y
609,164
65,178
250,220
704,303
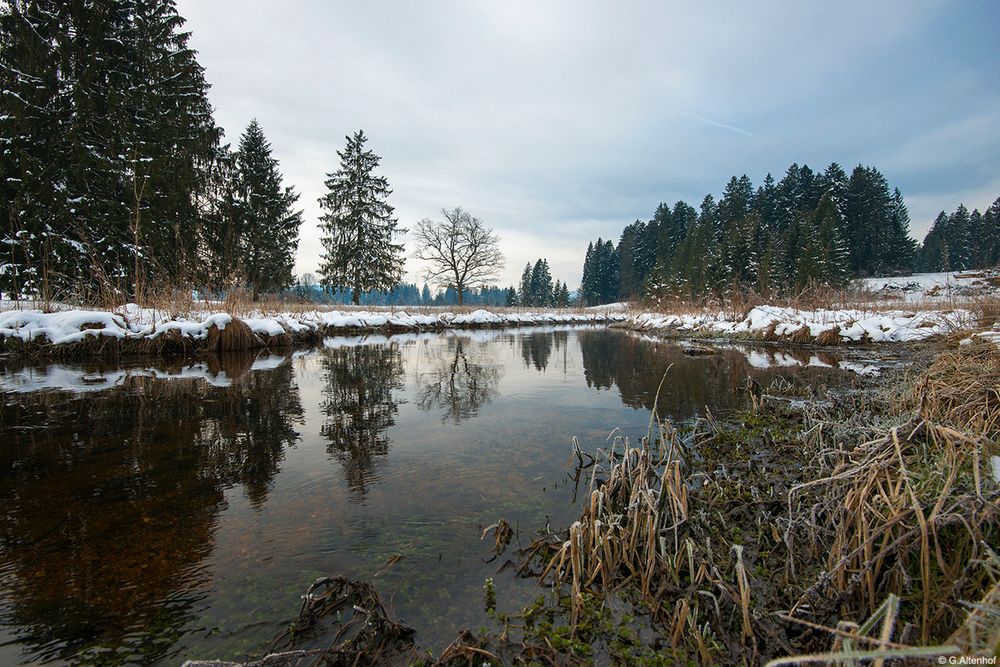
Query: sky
x,y
556,122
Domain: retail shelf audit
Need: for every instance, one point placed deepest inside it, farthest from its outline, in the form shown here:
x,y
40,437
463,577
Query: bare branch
x,y
461,250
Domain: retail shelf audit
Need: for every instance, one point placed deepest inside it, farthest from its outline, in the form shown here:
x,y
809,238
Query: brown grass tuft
x,y
803,335
962,388
829,337
236,336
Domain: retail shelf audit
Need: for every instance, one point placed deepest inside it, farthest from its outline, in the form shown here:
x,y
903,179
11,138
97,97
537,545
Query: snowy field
x,y
835,326
934,287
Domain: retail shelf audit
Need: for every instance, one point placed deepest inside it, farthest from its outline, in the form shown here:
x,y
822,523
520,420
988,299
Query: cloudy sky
x,y
558,122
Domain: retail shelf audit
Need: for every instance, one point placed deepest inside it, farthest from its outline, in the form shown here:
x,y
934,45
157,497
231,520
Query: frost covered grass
x,y
864,527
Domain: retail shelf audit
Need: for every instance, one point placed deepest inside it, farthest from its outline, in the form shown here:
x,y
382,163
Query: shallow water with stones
x,y
159,511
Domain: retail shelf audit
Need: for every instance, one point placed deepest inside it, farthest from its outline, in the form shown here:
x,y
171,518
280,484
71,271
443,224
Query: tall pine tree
x,y
359,229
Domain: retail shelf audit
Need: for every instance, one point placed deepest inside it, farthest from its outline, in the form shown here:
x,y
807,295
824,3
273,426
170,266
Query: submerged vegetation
x,y
858,527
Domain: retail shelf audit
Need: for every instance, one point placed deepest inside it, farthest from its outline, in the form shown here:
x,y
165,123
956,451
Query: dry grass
x,y
884,507
962,388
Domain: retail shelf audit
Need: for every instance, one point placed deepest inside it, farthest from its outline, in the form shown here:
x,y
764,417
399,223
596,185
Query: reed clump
x,y
771,535
962,388
236,335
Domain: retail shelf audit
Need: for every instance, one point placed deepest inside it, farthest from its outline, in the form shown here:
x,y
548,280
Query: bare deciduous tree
x,y
462,252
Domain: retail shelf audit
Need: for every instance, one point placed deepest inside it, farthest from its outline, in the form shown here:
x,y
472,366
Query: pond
x,y
154,512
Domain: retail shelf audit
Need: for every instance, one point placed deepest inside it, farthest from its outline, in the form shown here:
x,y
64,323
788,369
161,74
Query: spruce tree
x,y
541,284
977,232
990,237
111,139
934,254
900,252
266,224
959,244
608,263
527,293
359,228
587,283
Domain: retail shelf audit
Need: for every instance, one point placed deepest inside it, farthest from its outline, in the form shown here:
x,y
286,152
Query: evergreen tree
x,y
359,227
808,266
765,204
868,219
608,263
900,252
833,181
526,293
562,296
425,295
541,284
110,142
990,236
510,297
959,245
628,272
934,254
977,233
644,252
262,228
588,292
828,223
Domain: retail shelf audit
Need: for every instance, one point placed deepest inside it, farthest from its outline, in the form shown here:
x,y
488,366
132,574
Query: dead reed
x,y
894,503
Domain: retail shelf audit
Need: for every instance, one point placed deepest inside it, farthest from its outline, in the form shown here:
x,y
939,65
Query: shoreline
x,y
132,331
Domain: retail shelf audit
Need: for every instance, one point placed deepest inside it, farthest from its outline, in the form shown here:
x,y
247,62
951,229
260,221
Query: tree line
x,y
115,175
962,240
809,228
117,182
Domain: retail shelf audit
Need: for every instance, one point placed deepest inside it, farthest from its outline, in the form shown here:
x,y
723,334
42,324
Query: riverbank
x,y
860,524
130,330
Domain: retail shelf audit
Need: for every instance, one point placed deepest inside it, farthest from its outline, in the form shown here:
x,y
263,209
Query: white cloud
x,y
560,121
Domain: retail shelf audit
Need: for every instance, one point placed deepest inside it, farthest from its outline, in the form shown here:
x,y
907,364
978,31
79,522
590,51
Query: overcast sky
x,y
558,122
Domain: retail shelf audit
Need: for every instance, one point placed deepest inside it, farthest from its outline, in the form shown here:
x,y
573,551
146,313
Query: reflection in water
x,y
110,502
459,381
636,366
536,348
359,406
176,511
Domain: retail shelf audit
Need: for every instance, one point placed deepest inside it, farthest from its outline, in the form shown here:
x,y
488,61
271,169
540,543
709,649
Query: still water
x,y
156,512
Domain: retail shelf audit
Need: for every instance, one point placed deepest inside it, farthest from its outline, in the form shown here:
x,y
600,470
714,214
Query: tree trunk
x,y
356,297
459,297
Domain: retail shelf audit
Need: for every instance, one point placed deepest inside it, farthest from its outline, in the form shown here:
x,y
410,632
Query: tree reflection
x,y
636,367
457,382
537,348
360,406
110,501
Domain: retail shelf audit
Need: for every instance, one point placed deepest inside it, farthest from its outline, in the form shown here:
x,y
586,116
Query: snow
x,y
68,378
995,464
854,325
931,287
131,321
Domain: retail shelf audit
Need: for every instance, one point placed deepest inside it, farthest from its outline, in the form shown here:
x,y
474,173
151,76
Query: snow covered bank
x,y
828,327
932,287
148,330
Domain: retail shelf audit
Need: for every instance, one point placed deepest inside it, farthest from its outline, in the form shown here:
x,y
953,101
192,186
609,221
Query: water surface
x,y
157,512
